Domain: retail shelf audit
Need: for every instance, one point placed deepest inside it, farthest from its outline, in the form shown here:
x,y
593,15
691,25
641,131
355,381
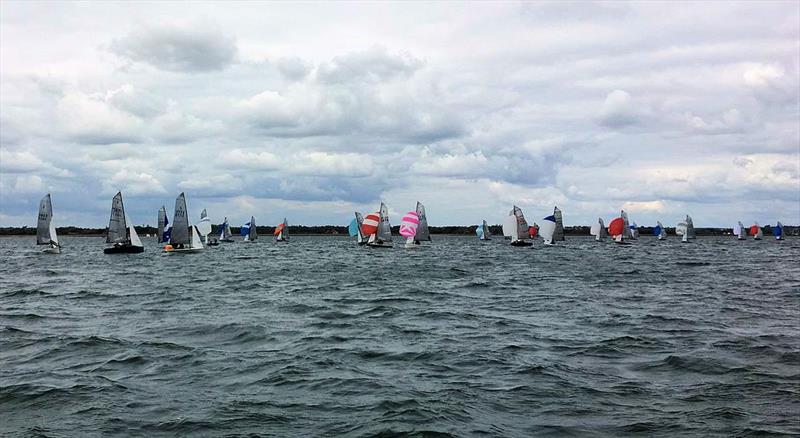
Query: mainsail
x,y
422,230
558,234
626,231
45,229
384,228
690,227
164,229
180,223
252,231
598,229
739,231
117,226
225,230
483,231
522,224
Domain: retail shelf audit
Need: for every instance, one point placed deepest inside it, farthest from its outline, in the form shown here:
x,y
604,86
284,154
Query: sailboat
x,y
121,232
634,230
249,231
183,237
547,229
45,229
516,227
626,231
558,233
617,229
740,231
377,227
483,231
659,231
164,229
598,230
282,232
225,234
690,227
354,229
204,226
756,232
777,231
409,226
682,229
423,234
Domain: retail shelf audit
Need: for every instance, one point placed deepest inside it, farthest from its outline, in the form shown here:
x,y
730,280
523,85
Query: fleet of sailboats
x,y
121,232
374,230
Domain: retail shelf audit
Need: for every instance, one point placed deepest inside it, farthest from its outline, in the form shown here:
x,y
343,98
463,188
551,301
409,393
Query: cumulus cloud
x,y
619,110
373,65
194,48
91,120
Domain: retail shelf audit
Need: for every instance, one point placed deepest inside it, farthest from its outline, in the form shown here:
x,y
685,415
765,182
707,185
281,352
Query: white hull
x,y
52,250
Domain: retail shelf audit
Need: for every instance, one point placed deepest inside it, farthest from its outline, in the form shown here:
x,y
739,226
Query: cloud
x,y
372,65
194,48
91,120
293,68
134,183
619,110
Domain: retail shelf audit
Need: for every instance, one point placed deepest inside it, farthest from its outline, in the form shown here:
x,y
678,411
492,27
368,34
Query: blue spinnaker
x,y
353,228
657,230
245,230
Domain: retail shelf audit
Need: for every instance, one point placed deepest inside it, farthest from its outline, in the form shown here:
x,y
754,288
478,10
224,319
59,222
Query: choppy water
x,y
321,337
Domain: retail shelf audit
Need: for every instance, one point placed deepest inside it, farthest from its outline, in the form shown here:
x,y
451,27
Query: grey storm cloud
x,y
667,109
178,49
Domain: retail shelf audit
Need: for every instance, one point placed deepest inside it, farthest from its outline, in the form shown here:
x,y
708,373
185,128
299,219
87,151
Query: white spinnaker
x,y
546,230
510,227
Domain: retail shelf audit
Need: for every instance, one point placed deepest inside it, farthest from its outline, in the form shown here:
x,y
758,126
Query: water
x,y
321,337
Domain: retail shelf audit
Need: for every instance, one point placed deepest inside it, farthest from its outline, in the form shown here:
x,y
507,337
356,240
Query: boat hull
x,y
379,245
127,249
183,250
52,250
521,243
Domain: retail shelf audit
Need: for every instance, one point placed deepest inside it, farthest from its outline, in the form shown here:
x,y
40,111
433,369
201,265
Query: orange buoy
x,y
168,247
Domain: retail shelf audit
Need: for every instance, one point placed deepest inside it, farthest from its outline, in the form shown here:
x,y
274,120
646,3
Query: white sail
x,y
485,231
690,227
663,234
681,229
510,227
53,234
547,230
740,231
626,230
195,238
594,230
134,237
204,226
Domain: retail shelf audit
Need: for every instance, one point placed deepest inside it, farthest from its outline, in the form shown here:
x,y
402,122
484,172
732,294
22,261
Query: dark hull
x,y
227,240
124,250
521,243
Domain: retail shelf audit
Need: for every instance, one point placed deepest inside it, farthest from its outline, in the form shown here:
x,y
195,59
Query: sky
x,y
313,110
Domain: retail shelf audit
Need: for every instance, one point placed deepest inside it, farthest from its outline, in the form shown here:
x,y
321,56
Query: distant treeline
x,y
342,230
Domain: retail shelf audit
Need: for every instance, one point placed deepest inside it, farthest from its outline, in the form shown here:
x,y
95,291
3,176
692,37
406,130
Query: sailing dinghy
x,y
121,233
777,231
409,226
354,229
617,229
377,227
164,228
558,233
516,227
682,229
204,226
756,232
225,234
282,232
483,232
626,231
740,231
423,234
690,227
45,229
634,230
184,238
548,229
659,231
249,231
598,230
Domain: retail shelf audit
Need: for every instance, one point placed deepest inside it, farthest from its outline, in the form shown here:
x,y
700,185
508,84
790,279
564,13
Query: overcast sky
x,y
311,111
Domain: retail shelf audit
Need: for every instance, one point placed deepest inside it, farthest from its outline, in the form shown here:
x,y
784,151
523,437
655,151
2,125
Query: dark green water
x,y
321,337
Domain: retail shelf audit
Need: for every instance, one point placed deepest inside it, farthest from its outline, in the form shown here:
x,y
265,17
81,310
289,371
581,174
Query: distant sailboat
x,y
756,232
225,233
598,230
354,229
634,230
249,230
483,231
617,229
423,234
547,229
626,231
164,228
558,233
740,231
682,229
516,227
204,226
409,226
184,238
121,232
659,231
45,229
690,227
377,227
777,231
282,232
